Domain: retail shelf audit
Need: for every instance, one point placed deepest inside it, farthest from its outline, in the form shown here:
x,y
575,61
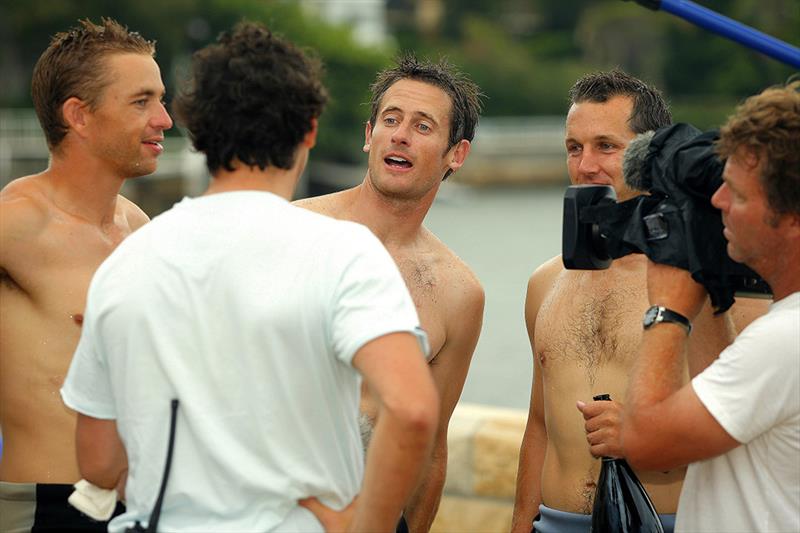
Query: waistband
x,y
555,521
17,492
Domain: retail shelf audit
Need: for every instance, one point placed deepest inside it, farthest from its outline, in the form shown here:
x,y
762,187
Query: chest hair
x,y
593,331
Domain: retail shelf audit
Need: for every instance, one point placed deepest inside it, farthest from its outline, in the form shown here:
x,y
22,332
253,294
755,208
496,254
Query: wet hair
x,y
252,98
72,66
768,125
464,94
650,110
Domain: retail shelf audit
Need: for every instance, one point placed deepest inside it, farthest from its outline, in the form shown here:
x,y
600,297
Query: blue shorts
x,y
555,521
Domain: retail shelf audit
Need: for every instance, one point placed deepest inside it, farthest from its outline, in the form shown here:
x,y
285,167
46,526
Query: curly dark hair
x,y
252,98
463,92
650,110
768,124
72,65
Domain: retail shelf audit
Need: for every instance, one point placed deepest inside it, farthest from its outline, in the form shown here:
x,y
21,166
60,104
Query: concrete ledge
x,y
483,451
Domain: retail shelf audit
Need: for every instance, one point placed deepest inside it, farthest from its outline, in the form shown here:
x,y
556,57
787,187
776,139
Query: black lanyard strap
x,y
152,524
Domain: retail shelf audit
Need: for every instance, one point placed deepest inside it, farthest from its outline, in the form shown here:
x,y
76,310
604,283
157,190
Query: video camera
x,y
673,224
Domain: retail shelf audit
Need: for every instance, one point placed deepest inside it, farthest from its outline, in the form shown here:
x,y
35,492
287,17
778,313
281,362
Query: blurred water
x,y
503,234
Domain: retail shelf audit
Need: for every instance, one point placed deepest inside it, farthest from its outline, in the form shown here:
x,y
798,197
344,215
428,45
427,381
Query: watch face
x,y
650,316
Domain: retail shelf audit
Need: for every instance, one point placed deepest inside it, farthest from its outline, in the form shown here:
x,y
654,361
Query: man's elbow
x,y
643,452
418,413
98,471
100,465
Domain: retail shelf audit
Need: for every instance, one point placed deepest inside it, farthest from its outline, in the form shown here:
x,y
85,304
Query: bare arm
x,y
449,371
713,333
22,219
102,460
659,410
710,335
528,495
424,501
396,372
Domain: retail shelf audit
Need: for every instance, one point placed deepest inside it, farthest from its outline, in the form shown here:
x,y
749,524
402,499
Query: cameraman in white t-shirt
x,y
737,424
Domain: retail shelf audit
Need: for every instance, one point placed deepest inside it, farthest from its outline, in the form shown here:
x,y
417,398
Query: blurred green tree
x,y
525,54
182,26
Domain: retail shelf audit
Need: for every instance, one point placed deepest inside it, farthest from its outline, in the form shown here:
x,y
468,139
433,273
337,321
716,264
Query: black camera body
x,y
673,223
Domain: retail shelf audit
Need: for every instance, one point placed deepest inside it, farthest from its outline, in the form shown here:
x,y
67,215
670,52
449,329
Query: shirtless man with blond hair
x,y
98,94
423,117
585,326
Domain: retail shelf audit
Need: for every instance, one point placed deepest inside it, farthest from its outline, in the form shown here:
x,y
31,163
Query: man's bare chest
x,y
56,268
428,289
589,330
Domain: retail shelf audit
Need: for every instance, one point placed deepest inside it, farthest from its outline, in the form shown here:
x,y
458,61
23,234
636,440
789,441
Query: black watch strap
x,y
657,314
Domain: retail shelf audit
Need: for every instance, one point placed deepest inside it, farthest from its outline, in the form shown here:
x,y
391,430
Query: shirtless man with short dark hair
x,y
585,326
423,118
98,94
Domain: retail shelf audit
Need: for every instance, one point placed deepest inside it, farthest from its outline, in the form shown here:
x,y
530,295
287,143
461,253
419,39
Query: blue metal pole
x,y
722,25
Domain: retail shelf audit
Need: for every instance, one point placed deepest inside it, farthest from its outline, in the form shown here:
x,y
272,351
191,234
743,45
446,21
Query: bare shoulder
x,y
540,285
132,213
454,272
331,205
542,279
25,209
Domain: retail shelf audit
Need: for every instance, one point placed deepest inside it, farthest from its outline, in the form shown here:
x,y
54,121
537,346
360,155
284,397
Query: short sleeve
x,y
755,382
87,387
370,299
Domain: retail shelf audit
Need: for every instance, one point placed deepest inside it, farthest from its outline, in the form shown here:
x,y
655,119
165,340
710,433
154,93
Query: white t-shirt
x,y
753,391
249,311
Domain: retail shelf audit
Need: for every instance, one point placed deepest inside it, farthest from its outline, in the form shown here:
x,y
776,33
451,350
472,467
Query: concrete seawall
x,y
483,451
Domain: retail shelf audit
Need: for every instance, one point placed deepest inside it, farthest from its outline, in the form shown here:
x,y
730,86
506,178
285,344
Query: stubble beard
x,y
393,195
131,163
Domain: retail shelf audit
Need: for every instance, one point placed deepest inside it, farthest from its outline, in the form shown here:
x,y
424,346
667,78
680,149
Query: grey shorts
x,y
555,521
26,507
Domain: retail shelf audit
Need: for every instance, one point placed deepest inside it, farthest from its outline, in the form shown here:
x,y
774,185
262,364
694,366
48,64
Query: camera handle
x,y
583,246
726,27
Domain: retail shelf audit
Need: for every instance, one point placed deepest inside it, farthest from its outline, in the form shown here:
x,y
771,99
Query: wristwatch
x,y
658,313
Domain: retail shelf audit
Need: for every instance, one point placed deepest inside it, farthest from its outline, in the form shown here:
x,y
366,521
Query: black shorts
x,y
44,507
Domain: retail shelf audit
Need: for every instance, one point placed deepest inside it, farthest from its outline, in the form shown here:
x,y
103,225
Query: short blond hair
x,y
73,66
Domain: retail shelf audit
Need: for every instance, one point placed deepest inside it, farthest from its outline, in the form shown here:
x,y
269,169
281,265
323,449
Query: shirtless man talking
x,y
98,94
423,117
585,326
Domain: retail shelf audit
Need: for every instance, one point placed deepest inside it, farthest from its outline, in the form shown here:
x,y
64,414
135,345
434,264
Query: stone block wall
x,y
483,452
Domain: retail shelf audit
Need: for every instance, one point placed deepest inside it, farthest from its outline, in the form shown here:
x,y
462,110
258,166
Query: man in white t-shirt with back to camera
x,y
737,424
260,318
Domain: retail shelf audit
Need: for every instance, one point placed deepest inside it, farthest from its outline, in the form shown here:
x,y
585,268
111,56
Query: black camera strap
x,y
155,515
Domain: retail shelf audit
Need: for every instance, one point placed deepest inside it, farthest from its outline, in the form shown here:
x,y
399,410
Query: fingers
x,y
317,509
605,443
605,450
603,420
332,521
601,408
602,425
312,504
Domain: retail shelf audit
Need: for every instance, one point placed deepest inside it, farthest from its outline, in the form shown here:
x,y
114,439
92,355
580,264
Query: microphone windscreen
x,y
633,159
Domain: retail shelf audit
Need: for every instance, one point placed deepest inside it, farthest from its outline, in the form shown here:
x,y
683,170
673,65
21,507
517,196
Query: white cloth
x,y
249,311
753,391
93,501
